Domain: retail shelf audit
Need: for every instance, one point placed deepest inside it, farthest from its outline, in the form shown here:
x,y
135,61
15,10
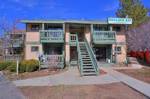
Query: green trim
x,y
66,21
51,36
104,37
104,42
73,39
33,43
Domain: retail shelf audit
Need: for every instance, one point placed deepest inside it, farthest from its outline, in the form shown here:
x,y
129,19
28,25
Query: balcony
x,y
51,36
17,42
104,37
52,61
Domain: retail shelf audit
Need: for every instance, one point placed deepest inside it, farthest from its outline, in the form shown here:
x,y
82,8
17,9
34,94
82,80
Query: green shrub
x,y
28,65
5,64
24,66
12,67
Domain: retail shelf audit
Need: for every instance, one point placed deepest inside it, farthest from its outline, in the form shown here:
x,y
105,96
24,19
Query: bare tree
x,y
139,37
7,29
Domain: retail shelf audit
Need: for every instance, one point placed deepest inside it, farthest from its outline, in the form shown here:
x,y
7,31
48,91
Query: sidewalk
x,y
8,90
70,77
138,85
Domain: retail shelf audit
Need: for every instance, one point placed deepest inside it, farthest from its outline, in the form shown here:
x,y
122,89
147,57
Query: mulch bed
x,y
105,91
142,74
45,72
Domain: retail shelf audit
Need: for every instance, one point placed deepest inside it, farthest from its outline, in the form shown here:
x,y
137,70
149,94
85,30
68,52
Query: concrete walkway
x,y
138,85
70,77
8,90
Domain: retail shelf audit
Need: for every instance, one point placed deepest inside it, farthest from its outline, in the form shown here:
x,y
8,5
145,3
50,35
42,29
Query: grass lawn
x,y
106,91
142,74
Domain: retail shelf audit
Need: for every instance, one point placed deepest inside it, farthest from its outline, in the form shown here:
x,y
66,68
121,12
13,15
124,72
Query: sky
x,y
11,10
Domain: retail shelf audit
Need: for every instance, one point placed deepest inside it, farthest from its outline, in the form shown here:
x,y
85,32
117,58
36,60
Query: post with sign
x,y
17,67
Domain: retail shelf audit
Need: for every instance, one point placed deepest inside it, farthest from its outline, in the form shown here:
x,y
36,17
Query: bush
x,y
24,66
133,54
147,56
6,64
140,54
28,65
12,67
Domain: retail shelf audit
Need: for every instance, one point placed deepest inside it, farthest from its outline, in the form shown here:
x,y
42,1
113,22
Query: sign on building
x,y
120,20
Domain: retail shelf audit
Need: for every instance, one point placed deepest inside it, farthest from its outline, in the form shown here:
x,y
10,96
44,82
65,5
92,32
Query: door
x,y
73,56
101,54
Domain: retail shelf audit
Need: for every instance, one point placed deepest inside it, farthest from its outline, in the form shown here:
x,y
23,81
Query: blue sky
x,y
11,10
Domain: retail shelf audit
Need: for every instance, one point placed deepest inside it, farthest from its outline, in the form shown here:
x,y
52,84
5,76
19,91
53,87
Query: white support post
x,y
111,28
17,67
43,26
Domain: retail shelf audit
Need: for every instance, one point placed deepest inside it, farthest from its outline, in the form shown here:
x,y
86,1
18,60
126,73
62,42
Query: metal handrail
x,y
104,35
53,60
52,35
92,55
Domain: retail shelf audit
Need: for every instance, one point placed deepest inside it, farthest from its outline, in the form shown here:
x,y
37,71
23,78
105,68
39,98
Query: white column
x,y
88,33
43,26
111,28
67,46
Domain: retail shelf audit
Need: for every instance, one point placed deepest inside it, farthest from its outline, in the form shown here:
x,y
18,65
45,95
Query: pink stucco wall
x,y
32,36
121,57
32,39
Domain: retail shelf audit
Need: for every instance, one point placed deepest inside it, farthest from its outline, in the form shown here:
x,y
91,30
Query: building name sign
x,y
120,20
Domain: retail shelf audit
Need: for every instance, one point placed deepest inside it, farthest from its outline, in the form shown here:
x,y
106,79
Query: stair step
x,y
85,55
82,49
87,65
87,62
88,70
90,63
89,74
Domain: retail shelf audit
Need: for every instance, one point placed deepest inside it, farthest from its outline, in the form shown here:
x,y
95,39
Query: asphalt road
x,y
9,90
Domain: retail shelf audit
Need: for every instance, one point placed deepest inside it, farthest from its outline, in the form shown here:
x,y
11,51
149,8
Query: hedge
x,y
24,66
6,65
28,65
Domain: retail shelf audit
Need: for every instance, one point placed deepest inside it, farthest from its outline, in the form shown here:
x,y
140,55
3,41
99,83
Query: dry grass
x,y
141,74
107,91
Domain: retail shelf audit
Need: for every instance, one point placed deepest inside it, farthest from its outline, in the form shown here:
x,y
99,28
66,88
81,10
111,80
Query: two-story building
x,y
75,43
13,45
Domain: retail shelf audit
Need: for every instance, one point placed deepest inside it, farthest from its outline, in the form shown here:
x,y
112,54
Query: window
x,y
34,48
35,27
100,27
117,28
118,49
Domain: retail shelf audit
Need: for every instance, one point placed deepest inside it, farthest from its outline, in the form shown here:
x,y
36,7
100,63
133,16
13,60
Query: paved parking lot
x,y
8,90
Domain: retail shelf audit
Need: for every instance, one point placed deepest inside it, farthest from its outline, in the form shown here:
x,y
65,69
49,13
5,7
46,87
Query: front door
x,y
101,54
73,56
